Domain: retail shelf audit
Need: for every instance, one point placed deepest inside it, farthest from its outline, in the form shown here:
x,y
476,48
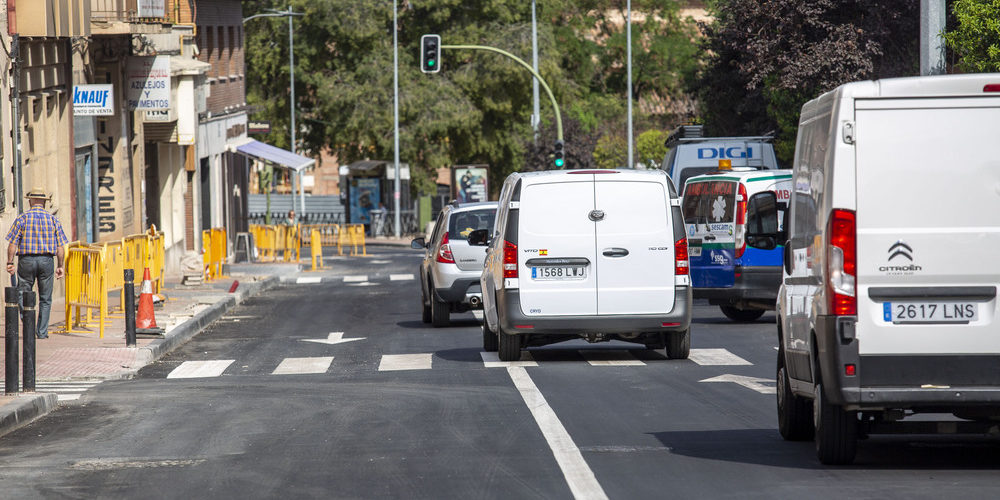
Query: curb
x,y
25,409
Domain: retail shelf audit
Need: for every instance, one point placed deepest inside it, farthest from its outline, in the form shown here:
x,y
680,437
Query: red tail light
x,y
991,87
444,252
841,263
509,260
681,257
741,221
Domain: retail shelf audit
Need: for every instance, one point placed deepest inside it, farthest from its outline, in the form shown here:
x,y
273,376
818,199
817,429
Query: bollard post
x,y
130,308
12,307
28,326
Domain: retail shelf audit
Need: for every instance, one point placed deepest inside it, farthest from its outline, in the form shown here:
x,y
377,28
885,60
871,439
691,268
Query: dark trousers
x,y
42,268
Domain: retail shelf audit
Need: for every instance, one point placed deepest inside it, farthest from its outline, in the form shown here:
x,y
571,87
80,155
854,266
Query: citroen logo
x,y
900,249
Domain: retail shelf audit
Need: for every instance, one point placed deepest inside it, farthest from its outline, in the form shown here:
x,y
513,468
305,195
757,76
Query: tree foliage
x,y
976,38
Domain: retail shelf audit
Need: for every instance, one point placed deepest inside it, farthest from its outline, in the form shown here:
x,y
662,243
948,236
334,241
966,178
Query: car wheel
x,y
440,314
656,341
836,430
509,347
425,306
490,341
679,344
741,315
794,412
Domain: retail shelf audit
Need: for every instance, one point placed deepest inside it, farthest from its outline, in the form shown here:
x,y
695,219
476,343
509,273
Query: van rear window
x,y
463,223
708,202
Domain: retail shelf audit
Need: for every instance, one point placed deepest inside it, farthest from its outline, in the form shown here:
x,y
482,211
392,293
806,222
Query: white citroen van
x,y
888,305
592,254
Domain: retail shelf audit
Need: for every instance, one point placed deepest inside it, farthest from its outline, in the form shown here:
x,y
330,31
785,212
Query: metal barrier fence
x,y
94,270
329,234
214,251
352,235
285,242
316,249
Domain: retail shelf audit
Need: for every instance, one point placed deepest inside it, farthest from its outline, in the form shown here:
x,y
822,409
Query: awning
x,y
275,156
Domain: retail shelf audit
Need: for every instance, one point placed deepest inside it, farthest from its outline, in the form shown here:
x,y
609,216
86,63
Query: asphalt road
x,y
409,411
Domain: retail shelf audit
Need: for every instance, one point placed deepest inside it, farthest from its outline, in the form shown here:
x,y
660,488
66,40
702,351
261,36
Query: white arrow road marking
x,y
581,480
491,360
201,369
400,277
716,357
308,280
395,362
355,279
292,366
333,338
752,383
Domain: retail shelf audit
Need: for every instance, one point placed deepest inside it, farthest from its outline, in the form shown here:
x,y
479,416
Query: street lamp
x,y
291,103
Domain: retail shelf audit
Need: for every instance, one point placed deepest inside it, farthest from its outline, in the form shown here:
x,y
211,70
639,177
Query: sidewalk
x,y
83,355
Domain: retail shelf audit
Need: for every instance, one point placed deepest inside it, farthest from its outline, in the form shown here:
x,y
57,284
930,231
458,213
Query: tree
x,y
578,148
976,39
651,146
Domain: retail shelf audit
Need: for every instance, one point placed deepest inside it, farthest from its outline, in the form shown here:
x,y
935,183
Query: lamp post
x,y
536,115
291,101
628,50
395,120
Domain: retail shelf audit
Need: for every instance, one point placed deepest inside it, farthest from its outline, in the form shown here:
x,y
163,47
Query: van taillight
x,y
992,87
444,252
741,222
509,260
841,263
681,257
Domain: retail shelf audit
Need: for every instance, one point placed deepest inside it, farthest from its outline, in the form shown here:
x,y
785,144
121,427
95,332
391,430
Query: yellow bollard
x,y
316,249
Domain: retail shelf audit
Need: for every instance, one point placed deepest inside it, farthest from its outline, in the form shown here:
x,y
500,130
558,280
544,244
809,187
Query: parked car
x,y
592,254
888,307
736,238
449,273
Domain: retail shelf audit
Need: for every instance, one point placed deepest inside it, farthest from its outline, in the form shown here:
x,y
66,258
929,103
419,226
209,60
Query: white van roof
x,y
922,86
743,175
618,174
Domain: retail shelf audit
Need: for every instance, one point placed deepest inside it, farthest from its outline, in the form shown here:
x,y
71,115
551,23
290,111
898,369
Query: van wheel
x,y
425,307
509,347
679,344
794,412
741,315
656,341
490,341
440,314
836,430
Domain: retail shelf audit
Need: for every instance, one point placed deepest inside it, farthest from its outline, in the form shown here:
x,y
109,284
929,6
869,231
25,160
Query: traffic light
x,y
558,153
430,53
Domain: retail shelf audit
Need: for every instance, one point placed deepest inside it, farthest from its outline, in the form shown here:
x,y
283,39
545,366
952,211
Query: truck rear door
x,y
928,226
709,208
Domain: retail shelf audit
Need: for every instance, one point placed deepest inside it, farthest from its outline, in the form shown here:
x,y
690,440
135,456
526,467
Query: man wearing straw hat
x,y
36,237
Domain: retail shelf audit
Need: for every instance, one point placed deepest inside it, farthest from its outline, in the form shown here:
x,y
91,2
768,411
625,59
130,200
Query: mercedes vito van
x,y
888,306
592,254
735,237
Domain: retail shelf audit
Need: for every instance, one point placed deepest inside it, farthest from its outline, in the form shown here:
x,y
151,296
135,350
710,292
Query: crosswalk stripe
x,y
201,369
610,358
716,357
292,366
308,280
400,277
355,279
396,362
477,314
491,360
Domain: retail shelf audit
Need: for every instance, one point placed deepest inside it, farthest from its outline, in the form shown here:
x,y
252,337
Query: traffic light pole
x,y
555,106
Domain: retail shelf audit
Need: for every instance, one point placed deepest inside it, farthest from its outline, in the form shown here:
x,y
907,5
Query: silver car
x,y
449,273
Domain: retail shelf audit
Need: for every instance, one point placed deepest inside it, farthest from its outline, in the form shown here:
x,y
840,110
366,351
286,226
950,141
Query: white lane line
x,y
199,369
478,314
355,279
395,362
400,277
68,397
491,360
610,358
308,280
760,385
381,262
292,366
716,357
581,480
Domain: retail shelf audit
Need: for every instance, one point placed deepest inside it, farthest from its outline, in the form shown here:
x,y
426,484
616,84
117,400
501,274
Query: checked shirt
x,y
36,232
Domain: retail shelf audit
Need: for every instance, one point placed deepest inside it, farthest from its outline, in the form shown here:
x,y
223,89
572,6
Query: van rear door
x,y
709,207
555,247
635,247
928,226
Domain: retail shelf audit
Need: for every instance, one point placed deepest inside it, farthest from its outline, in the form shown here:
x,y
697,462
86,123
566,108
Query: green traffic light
x,y
559,162
430,63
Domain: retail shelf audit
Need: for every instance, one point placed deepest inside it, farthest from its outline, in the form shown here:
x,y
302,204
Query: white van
x,y
689,153
736,238
592,254
888,305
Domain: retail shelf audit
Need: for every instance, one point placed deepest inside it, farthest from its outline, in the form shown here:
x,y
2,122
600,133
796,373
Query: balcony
x,y
122,17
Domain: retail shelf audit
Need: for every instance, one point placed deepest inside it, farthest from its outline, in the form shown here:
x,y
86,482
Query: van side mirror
x,y
762,221
786,257
479,238
418,243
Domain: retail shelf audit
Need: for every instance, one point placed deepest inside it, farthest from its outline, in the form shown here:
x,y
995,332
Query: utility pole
x,y
536,114
628,51
932,25
395,120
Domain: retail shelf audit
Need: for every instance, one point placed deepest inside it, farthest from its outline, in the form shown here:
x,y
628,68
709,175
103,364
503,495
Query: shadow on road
x,y
455,323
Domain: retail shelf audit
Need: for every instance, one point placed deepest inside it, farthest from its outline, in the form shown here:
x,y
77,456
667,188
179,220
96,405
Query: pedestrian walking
x,y
37,237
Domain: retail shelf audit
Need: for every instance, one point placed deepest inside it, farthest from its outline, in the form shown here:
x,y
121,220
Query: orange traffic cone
x,y
145,320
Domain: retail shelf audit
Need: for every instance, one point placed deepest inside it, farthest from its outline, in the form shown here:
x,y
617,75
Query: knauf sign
x,y
93,100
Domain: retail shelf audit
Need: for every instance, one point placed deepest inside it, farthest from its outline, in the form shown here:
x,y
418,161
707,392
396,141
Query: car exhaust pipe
x,y
475,302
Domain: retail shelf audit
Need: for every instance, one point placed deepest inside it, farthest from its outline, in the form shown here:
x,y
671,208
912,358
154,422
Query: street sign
x,y
148,80
93,100
256,127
